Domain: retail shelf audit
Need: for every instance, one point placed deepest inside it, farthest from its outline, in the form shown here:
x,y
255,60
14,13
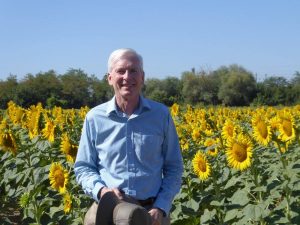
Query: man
x,y
129,144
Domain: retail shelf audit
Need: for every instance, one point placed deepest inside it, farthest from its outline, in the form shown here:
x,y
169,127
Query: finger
x,y
117,193
104,190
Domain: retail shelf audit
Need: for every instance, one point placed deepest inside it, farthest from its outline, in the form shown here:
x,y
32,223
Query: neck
x,y
127,105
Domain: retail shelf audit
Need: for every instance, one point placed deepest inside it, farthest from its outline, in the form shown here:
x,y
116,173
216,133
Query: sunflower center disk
x,y
239,152
263,130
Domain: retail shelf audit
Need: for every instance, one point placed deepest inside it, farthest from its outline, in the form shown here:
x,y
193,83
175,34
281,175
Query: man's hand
x,y
156,215
116,191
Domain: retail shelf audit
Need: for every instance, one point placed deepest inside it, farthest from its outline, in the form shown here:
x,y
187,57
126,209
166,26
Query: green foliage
x,y
229,85
265,193
8,89
25,185
275,91
238,87
167,91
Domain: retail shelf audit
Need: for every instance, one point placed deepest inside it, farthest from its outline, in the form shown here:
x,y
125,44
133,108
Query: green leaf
x,y
19,178
282,204
11,192
77,221
225,175
282,220
253,212
207,216
260,189
217,203
190,207
231,214
54,210
240,197
231,182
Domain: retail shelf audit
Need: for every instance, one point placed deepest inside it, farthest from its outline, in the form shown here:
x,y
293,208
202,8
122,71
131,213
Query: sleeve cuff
x,y
96,190
163,206
163,211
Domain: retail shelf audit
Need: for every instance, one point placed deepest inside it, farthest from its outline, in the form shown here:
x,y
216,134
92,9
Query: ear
x,y
109,78
143,77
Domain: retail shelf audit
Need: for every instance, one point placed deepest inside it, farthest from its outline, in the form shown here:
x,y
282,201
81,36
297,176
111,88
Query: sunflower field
x,y
242,165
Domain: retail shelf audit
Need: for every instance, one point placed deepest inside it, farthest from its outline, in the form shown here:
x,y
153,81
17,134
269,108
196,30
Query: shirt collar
x,y
143,106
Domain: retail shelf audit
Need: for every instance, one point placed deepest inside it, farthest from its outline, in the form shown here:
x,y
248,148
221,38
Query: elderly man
x,y
129,145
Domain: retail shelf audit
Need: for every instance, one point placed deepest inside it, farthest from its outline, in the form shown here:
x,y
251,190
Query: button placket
x,y
130,159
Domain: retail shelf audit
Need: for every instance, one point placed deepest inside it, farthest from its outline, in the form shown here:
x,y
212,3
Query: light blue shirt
x,y
139,154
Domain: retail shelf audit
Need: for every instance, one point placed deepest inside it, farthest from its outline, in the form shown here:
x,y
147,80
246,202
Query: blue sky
x,y
172,36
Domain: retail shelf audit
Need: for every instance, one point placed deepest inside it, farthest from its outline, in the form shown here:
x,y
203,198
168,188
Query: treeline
x,y
229,85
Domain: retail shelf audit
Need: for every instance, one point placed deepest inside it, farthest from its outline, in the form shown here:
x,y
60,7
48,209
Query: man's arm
x,y
172,169
85,167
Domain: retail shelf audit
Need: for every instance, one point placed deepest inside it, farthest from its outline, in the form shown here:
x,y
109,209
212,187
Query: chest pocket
x,y
148,148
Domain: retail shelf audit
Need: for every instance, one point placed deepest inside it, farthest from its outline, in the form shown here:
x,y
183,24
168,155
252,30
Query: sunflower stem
x,y
287,191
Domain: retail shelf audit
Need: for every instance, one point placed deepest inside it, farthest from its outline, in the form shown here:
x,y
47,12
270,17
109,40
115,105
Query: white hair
x,y
120,53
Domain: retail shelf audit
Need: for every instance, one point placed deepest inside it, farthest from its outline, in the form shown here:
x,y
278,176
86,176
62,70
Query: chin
x,y
128,94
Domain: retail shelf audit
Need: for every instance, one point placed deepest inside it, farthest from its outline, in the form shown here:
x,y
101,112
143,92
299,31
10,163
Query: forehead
x,y
127,61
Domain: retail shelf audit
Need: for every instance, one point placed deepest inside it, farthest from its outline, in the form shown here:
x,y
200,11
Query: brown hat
x,y
114,211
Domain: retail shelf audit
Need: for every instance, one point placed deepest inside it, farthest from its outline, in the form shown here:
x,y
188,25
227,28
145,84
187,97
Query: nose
x,y
127,75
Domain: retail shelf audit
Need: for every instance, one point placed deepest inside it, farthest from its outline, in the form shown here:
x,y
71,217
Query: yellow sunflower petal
x,y
201,166
58,177
239,152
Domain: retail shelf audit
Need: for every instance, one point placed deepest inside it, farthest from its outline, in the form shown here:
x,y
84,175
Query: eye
x,y
121,71
133,70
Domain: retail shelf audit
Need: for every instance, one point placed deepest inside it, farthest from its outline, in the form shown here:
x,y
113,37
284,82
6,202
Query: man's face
x,y
126,77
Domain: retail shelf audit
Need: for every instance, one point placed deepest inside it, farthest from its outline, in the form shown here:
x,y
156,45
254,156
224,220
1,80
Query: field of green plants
x,y
242,165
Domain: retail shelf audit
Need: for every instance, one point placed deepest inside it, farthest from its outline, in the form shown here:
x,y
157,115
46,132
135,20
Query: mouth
x,y
127,85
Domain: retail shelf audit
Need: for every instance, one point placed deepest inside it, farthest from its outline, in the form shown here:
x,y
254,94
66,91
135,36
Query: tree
x,y
153,89
295,84
8,90
33,89
166,91
190,87
101,91
76,88
274,90
173,89
238,87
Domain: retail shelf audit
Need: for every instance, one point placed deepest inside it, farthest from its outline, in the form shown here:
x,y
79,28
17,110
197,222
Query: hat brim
x,y
107,203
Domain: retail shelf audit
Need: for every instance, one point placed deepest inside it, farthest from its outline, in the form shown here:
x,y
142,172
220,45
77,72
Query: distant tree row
x,y
230,86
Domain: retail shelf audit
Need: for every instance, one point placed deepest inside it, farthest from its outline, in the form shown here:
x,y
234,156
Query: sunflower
x,y
239,152
209,132
83,111
24,199
275,122
201,166
8,142
174,109
70,116
286,127
67,203
196,134
228,130
211,146
32,119
58,177
261,130
15,113
57,113
68,149
49,130
203,125
184,144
